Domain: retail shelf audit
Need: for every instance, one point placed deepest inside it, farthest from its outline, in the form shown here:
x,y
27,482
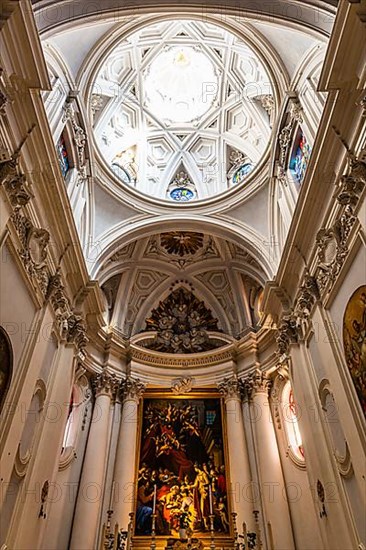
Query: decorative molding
x,y
259,382
72,326
181,386
285,135
154,359
287,334
33,253
182,323
3,103
16,188
181,242
332,242
79,137
96,103
268,103
307,297
105,383
231,388
132,389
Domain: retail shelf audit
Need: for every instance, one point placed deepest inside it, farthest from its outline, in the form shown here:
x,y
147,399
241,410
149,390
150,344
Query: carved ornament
x,y
181,322
181,386
132,389
231,387
105,384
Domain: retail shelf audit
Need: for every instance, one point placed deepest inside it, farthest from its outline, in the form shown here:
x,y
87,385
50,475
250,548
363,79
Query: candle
x,y
154,501
210,497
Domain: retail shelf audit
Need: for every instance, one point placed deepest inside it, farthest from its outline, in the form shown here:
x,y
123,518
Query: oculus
x,y
165,97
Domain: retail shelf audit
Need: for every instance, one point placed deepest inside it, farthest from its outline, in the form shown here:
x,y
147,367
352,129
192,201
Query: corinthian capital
x,y
231,388
105,384
132,388
258,383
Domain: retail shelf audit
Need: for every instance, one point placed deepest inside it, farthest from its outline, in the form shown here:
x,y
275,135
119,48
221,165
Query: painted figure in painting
x,y
354,341
181,459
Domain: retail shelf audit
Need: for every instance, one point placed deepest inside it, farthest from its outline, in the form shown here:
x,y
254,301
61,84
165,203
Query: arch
x,y
6,365
315,15
124,234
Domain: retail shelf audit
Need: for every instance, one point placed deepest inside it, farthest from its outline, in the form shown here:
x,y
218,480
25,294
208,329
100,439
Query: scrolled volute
x,y
105,383
132,389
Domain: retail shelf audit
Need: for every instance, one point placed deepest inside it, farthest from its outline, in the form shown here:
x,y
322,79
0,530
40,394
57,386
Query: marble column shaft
x,y
272,484
240,488
90,495
125,465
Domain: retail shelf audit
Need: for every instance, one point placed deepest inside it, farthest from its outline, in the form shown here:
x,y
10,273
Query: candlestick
x,y
154,501
210,498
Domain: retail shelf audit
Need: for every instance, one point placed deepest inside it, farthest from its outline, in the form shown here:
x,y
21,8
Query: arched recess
x,y
315,15
6,365
121,235
199,290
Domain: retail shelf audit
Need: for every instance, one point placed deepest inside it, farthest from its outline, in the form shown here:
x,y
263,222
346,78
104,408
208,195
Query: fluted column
x,y
125,466
89,501
240,476
273,490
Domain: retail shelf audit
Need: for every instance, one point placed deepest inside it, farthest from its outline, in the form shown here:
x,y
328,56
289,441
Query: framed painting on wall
x,y
182,475
354,342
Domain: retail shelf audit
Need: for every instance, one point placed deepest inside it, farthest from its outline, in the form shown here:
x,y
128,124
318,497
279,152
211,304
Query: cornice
x,y
245,9
179,361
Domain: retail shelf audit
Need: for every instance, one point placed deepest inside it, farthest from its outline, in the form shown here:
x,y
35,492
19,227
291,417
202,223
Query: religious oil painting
x,y
182,478
354,341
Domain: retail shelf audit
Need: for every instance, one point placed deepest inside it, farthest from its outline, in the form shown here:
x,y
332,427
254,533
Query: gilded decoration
x,y
181,322
181,476
354,341
181,242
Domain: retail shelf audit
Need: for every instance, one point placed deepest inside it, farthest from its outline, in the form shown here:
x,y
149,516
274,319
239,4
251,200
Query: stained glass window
x,y
300,158
181,194
121,173
63,156
241,173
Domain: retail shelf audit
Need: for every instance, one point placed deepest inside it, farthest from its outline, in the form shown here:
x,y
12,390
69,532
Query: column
x,y
273,490
125,465
89,501
240,476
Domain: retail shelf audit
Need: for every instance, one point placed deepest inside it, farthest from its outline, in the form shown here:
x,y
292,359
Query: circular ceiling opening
x,y
179,85
181,110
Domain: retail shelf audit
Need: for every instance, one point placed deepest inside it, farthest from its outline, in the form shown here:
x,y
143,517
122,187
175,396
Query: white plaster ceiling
x,y
138,276
141,88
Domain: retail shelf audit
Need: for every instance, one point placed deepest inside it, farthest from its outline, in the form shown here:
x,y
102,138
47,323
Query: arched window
x,y
63,155
300,156
291,416
72,418
6,365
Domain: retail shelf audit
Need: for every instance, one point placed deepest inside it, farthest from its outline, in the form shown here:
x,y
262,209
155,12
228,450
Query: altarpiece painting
x,y
182,477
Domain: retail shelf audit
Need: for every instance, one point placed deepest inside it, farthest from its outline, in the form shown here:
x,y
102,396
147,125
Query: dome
x,y
175,97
